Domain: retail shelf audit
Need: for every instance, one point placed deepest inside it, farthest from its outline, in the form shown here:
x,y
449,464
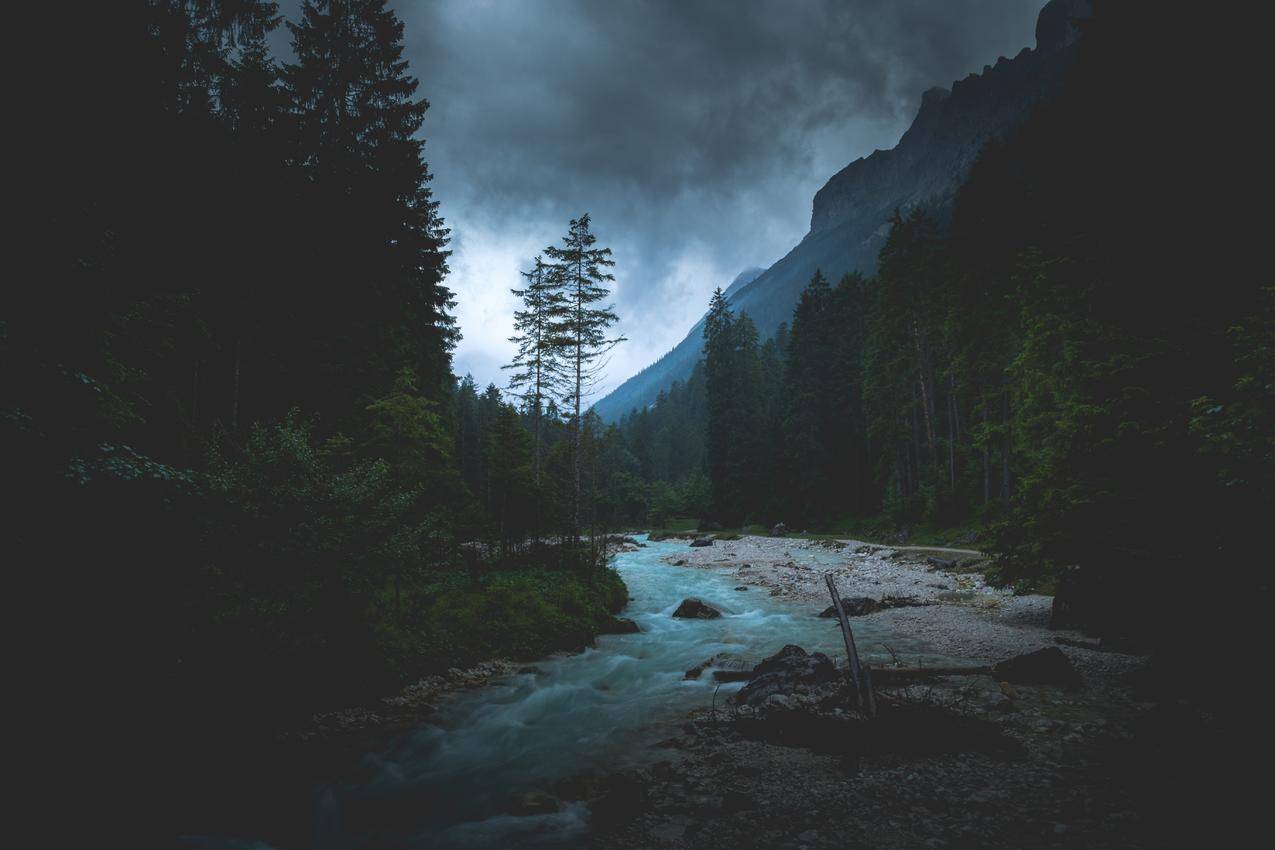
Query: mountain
x,y
642,388
850,214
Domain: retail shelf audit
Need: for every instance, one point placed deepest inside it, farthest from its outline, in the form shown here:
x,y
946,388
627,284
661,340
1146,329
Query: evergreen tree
x,y
732,375
810,429
372,223
513,492
538,363
578,270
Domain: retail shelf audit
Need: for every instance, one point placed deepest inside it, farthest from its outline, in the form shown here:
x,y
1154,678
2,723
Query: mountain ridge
x,y
850,213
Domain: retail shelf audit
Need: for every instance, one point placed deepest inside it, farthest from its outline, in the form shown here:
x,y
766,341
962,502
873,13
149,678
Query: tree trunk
x,y
575,502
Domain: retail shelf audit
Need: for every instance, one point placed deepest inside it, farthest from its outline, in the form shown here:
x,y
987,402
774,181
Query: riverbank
x,y
1057,778
956,612
467,633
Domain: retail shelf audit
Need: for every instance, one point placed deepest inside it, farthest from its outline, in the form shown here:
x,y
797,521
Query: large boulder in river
x,y
1048,666
784,673
702,541
693,609
779,530
622,626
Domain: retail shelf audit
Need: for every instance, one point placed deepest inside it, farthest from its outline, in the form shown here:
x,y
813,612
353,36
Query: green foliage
x,y
522,614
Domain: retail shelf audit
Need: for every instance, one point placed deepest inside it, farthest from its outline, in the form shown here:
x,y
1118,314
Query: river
x,y
445,783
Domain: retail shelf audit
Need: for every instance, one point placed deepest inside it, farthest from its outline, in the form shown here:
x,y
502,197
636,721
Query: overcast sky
x,y
695,132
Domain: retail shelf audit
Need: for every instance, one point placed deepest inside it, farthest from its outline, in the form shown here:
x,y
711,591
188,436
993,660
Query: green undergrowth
x,y
521,614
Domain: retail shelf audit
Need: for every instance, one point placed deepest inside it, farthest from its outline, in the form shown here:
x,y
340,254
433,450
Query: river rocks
x,y
779,530
783,673
693,609
858,606
698,670
1048,666
742,587
532,803
701,541
622,626
997,701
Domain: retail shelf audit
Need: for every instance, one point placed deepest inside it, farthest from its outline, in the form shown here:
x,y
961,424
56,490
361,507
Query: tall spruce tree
x,y
538,368
579,271
810,430
732,370
373,225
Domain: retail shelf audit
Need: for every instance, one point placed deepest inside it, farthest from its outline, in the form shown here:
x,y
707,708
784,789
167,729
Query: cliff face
x,y
849,218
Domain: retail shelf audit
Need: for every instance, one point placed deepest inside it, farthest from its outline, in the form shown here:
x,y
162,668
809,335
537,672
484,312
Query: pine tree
x,y
372,224
719,327
578,270
810,431
732,374
513,496
539,372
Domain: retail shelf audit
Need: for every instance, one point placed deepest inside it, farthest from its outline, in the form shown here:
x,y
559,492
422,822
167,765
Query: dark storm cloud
x,y
695,131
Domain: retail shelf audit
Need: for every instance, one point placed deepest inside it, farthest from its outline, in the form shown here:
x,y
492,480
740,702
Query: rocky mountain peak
x,y
1056,24
850,214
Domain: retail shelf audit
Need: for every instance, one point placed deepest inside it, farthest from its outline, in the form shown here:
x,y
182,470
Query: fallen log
x,y
891,675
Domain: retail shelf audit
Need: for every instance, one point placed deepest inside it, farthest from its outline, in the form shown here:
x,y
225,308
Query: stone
x,y
742,587
1047,666
779,530
694,609
623,626
702,541
782,673
854,606
998,702
698,670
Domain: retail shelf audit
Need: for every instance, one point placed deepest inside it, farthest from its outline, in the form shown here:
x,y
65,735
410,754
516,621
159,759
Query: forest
x,y
248,485
1029,370
245,464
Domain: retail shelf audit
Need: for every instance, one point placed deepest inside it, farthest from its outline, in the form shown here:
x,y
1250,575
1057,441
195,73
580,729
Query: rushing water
x,y
445,784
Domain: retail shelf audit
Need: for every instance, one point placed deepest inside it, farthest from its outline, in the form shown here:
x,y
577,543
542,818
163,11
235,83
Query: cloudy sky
x,y
695,132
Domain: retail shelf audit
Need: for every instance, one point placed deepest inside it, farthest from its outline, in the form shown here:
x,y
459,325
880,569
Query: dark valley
x,y
341,516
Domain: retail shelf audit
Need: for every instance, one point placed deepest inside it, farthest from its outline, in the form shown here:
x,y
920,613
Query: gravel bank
x,y
963,617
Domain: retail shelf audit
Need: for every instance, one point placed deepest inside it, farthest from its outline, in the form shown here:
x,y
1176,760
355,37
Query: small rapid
x,y
447,783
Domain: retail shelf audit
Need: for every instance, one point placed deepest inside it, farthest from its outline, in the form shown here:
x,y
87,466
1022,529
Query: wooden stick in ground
x,y
852,655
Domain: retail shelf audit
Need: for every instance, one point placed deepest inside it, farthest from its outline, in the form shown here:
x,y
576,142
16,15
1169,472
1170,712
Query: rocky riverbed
x,y
984,763
959,614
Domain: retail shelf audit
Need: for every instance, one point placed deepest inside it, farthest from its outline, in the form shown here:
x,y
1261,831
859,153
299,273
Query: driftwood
x,y
894,675
859,675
